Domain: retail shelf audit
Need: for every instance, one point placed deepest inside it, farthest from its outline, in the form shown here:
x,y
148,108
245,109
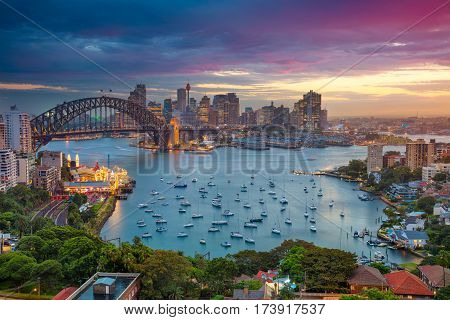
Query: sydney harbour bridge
x,y
108,114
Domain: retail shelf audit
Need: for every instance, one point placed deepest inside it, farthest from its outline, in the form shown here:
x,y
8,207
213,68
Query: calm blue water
x,y
229,168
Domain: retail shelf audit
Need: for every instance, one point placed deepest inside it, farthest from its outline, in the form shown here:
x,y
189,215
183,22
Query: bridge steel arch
x,y
45,125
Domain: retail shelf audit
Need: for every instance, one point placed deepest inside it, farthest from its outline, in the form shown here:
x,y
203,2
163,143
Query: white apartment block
x,y
8,169
17,131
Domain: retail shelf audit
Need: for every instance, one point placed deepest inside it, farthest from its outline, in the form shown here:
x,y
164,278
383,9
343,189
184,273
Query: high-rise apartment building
x,y
374,157
17,131
227,107
25,168
167,109
233,109
139,95
2,133
420,154
46,178
203,110
281,115
8,169
192,105
265,115
312,109
181,99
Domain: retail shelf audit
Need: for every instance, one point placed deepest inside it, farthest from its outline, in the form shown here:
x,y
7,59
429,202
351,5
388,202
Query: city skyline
x,y
269,51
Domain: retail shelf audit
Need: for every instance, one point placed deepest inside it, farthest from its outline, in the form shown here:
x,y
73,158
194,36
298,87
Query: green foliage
x,y
250,284
49,273
443,293
372,294
354,169
219,275
16,267
79,199
426,204
380,266
292,264
286,293
400,174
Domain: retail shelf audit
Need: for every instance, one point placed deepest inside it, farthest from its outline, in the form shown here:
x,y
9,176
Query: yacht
x,y
276,230
313,228
219,222
264,214
250,225
178,197
288,221
235,234
181,210
197,216
247,205
162,198
312,207
211,184
188,225
331,204
156,215
142,205
161,229
194,180
228,213
182,235
312,220
249,240
225,244
146,235
282,209
272,193
213,229
149,210
202,241
237,199
202,190
216,204
160,221
142,225
262,189
154,193
283,200
261,201
256,220
185,203
180,184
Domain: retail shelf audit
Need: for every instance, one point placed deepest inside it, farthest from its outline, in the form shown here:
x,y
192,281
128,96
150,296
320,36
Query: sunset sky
x,y
262,50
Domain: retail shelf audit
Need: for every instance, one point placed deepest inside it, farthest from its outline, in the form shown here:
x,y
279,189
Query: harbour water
x,y
228,169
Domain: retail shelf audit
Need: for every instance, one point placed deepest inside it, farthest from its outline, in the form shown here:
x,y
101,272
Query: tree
x,y
250,284
372,294
440,177
426,204
292,264
17,267
443,293
219,276
32,245
286,293
380,266
49,272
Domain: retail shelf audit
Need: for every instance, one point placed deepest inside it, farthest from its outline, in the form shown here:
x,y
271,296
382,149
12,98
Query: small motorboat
x,y
251,183
282,209
256,220
216,204
247,205
274,197
219,222
276,231
188,225
331,204
213,229
202,241
283,200
250,225
197,216
162,198
320,194
169,182
156,215
342,214
161,179
382,244
288,221
313,228
154,193
203,196
261,201
312,207
216,199
149,210
264,214
152,202
140,221
392,248
146,235
160,221
262,189
182,235
142,225
218,195
371,243
249,240
244,188
180,184
202,190
228,213
235,234
272,193
181,210
306,214
194,180
312,220
225,244
165,204
271,184
305,189
185,203
161,229
142,205
237,199
211,184
178,197
179,176
314,186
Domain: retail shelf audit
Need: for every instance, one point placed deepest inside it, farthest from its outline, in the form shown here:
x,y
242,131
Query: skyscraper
x,y
8,169
203,110
374,157
227,107
281,115
233,109
312,110
17,131
419,154
181,99
167,109
139,95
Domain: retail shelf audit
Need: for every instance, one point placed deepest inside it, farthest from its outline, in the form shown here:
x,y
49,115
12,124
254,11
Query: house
x,y
443,211
410,239
366,277
402,192
246,294
414,224
266,276
65,293
435,276
407,285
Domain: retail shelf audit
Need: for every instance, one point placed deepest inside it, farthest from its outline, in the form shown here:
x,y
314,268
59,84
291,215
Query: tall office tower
x,y
299,109
192,105
374,157
324,119
17,131
139,95
248,117
8,169
420,154
265,115
233,108
203,110
312,110
167,109
181,100
281,115
220,104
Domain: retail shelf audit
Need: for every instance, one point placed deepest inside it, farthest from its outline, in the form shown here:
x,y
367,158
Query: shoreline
x,y
103,214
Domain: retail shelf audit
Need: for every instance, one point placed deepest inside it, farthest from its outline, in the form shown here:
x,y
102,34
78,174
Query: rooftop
x,y
437,275
366,275
405,283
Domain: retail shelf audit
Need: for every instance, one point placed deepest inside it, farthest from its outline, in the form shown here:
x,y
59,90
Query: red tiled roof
x,y
369,276
64,293
435,274
265,275
403,282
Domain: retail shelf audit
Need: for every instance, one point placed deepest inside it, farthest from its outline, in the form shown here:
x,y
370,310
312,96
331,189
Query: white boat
x,y
312,207
288,221
312,220
181,210
219,195
331,204
235,234
305,189
216,199
216,204
272,193
162,198
156,215
243,189
154,193
283,200
342,214
178,197
213,229
211,184
140,221
202,190
228,213
180,184
197,216
194,180
264,214
202,241
276,230
320,194
237,199
142,225
306,214
313,228
185,203
262,189
146,235
247,205
142,205
169,182
250,225
282,209
271,184
188,225
149,210
249,240
261,201
152,202
182,235
225,244
160,221
161,179
219,222
161,229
